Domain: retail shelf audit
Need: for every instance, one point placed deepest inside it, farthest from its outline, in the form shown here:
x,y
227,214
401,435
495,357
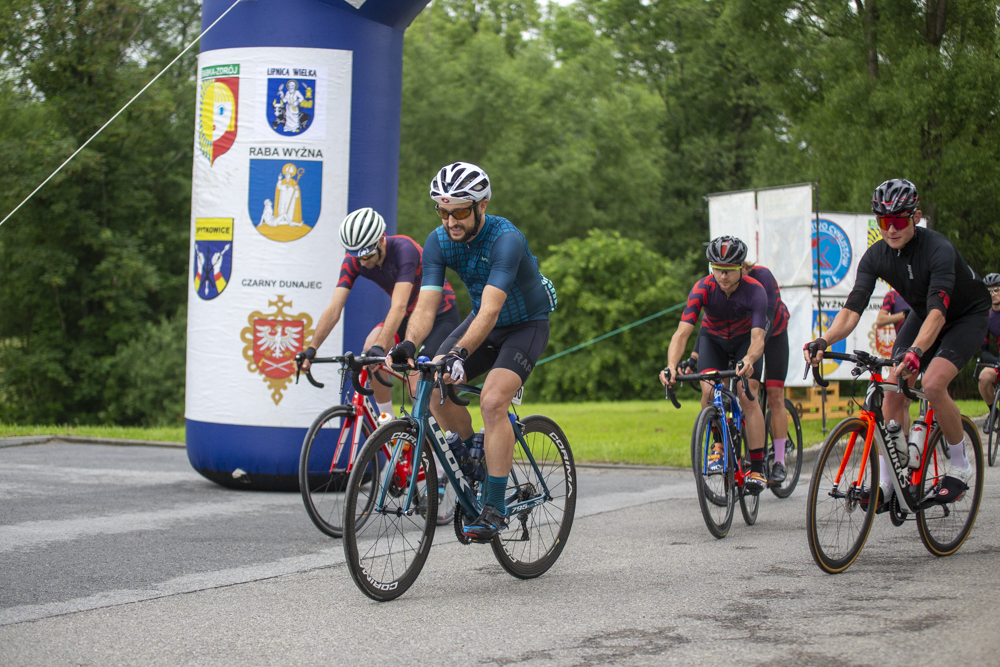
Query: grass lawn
x,y
638,432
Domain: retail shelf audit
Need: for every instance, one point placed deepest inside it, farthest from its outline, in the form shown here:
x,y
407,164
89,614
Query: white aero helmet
x,y
361,231
460,182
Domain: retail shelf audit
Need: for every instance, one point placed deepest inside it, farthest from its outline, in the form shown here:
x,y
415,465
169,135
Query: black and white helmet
x,y
361,231
992,280
726,250
896,196
460,182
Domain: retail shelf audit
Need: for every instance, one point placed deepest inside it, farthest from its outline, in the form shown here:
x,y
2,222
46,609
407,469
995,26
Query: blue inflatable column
x,y
298,116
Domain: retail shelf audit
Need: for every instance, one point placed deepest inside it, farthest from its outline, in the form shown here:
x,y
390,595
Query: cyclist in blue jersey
x,y
988,376
506,332
394,264
733,327
947,321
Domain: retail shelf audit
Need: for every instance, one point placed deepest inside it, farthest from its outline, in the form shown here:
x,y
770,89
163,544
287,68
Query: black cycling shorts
x,y
776,359
958,342
715,353
444,324
515,348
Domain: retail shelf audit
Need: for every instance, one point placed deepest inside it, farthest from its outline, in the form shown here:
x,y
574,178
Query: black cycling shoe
x,y
952,487
883,500
486,527
754,483
778,474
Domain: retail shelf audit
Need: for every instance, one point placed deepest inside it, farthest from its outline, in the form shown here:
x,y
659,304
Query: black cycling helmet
x,y
992,279
894,197
726,250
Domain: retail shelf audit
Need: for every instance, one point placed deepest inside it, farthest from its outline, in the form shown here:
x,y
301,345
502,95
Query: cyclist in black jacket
x,y
948,318
988,376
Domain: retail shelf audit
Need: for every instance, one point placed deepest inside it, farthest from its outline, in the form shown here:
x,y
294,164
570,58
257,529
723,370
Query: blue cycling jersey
x,y
498,256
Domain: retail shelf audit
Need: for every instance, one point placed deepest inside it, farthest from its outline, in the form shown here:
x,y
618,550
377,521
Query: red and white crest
x,y
275,344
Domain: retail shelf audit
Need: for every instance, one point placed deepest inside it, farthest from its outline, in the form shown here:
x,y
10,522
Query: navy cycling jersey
x,y
893,304
927,272
777,311
497,256
727,317
402,265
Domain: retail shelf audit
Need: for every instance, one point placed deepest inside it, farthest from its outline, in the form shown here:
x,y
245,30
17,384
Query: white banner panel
x,y
269,191
800,304
786,216
734,215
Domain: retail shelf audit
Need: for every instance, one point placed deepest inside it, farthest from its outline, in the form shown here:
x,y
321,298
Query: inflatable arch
x,y
298,116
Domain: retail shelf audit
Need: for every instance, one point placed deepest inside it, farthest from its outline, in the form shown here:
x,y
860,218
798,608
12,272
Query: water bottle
x,y
384,418
461,453
894,440
478,455
918,437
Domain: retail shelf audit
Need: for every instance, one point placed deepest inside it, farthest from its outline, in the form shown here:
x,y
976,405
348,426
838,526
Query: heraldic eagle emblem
x,y
272,341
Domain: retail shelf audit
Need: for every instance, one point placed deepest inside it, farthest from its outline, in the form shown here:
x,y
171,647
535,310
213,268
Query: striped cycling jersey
x,y
497,256
727,317
893,303
777,311
403,264
993,328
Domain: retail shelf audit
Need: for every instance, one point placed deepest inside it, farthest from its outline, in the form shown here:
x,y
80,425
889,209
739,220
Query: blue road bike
x,y
387,534
722,421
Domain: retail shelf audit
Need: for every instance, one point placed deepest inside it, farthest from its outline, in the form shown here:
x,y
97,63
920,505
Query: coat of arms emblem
x,y
217,110
213,255
272,341
285,197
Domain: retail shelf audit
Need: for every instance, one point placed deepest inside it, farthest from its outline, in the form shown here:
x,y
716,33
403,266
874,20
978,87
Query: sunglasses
x,y
458,214
994,290
724,267
900,222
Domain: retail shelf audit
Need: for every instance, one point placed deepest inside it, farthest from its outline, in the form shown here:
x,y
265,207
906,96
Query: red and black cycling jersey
x,y
927,272
403,264
893,304
992,330
777,311
727,317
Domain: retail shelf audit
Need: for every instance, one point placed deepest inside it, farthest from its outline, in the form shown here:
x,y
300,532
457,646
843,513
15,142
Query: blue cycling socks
x,y
496,491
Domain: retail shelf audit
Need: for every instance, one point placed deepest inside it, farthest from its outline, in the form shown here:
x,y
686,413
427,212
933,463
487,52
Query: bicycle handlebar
x,y
708,376
861,359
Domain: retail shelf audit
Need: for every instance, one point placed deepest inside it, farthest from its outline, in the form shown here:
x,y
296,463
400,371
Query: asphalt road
x,y
124,555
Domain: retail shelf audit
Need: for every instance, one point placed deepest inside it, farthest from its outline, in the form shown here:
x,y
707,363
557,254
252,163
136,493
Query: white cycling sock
x,y
959,457
884,472
779,450
386,408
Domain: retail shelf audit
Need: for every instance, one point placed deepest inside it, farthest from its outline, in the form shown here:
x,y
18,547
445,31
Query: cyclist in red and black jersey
x,y
732,329
893,311
394,263
775,360
945,327
988,376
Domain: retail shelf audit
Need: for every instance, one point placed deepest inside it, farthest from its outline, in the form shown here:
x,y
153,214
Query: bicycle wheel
x,y
749,502
386,550
993,437
837,522
322,481
721,486
536,537
793,451
943,528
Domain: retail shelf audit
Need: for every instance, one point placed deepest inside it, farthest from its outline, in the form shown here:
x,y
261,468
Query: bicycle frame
x,y
875,432
428,430
718,393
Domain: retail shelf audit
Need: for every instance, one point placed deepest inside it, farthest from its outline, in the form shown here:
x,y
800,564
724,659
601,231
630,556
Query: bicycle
x,y
386,534
793,446
843,493
331,446
717,492
992,436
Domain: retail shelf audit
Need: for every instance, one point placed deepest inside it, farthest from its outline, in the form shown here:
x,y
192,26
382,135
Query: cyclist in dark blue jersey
x,y
506,332
733,329
988,376
893,311
945,327
394,264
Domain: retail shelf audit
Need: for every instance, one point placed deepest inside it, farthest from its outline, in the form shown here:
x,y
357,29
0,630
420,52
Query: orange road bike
x,y
843,492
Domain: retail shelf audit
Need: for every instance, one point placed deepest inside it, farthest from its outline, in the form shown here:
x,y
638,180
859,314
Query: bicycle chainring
x,y
460,524
896,513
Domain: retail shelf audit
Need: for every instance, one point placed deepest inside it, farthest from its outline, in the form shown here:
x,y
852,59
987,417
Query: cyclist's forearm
x,y
678,343
484,321
397,311
756,350
331,315
929,330
843,324
422,317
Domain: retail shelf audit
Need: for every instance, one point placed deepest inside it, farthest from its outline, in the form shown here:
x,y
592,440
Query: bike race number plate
x,y
518,396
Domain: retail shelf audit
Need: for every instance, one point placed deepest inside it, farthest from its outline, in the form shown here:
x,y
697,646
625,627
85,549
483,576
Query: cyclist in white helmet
x,y
394,264
503,336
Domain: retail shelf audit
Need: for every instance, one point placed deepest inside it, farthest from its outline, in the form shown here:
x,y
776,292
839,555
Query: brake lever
x,y
746,384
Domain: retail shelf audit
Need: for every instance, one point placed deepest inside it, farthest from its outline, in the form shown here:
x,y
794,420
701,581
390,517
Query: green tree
x,y
102,250
606,281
